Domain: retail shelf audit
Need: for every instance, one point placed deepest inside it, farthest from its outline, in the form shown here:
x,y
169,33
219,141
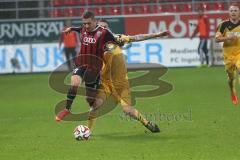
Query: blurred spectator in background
x,y
15,65
71,45
203,28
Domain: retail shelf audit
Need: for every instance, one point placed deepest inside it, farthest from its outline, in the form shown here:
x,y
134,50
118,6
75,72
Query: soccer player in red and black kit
x,y
88,61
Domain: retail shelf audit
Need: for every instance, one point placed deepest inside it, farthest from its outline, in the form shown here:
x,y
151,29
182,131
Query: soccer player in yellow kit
x,y
228,32
115,80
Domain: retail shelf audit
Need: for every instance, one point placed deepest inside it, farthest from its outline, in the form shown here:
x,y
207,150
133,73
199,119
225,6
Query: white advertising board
x,y
15,58
168,52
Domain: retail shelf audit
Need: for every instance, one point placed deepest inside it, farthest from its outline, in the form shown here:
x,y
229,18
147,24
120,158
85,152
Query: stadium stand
x,y
128,7
72,8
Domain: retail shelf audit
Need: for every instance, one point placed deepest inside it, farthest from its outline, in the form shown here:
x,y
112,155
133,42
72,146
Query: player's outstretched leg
x,y
72,92
134,113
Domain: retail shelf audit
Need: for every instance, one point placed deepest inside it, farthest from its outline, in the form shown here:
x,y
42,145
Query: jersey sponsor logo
x,y
233,34
87,40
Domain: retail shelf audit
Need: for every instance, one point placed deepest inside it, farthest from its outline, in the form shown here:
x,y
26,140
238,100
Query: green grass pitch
x,y
200,122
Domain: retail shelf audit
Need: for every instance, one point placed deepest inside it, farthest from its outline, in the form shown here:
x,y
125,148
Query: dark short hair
x,y
88,14
104,20
234,4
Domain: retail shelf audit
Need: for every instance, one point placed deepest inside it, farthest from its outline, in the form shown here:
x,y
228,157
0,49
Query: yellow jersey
x,y
114,70
227,28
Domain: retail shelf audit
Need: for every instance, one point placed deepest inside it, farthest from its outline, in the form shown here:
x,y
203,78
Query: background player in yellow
x,y
115,80
228,32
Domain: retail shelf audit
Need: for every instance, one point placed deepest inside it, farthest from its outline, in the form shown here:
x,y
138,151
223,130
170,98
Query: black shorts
x,y
90,77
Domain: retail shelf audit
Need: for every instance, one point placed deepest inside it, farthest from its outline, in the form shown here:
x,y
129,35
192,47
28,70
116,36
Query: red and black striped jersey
x,y
92,46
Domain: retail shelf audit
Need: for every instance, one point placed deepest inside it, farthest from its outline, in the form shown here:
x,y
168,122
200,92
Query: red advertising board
x,y
178,25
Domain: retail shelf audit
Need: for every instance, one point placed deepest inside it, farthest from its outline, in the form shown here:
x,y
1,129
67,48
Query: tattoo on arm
x,y
142,37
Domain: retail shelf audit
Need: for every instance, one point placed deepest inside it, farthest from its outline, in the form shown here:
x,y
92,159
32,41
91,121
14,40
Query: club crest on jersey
x,y
99,34
87,40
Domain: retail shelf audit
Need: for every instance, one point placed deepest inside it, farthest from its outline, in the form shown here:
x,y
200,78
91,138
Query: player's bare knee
x,y
230,78
90,101
75,80
126,109
98,102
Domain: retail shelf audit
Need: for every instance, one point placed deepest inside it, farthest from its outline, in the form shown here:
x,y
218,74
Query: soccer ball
x,y
82,132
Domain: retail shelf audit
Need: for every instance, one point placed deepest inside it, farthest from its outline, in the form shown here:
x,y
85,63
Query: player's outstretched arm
x,y
142,37
70,29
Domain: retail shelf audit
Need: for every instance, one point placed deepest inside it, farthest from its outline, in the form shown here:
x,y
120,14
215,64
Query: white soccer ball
x,y
82,132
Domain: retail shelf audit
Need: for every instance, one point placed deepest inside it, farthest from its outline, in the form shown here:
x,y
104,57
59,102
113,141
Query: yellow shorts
x,y
232,63
121,94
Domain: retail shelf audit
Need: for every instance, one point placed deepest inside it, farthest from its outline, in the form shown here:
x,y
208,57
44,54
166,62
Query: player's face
x,y
234,12
103,24
89,24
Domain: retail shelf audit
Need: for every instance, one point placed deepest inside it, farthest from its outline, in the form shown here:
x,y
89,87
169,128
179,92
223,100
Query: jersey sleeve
x,y
109,36
76,29
220,30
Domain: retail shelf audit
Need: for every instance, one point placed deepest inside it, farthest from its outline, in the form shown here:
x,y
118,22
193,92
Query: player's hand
x,y
67,30
163,34
232,37
121,39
